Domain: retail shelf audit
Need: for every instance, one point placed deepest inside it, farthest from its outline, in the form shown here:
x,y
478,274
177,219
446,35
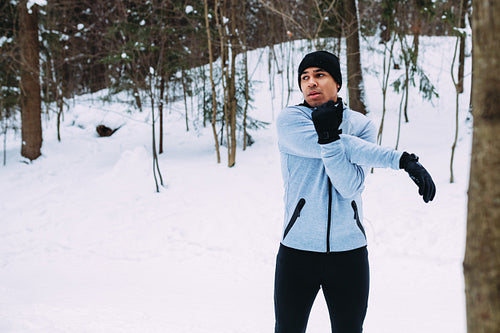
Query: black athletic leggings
x,y
343,276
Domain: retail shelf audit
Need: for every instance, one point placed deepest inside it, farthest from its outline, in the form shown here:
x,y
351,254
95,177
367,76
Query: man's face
x,y
318,86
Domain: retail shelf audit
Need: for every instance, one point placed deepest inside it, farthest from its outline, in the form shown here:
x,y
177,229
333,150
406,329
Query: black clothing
x,y
327,118
426,186
343,276
324,60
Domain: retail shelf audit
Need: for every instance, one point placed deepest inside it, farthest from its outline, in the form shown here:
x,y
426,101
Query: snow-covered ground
x,y
87,245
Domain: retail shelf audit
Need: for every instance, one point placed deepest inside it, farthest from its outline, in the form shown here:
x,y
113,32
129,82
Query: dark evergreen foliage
x,y
140,46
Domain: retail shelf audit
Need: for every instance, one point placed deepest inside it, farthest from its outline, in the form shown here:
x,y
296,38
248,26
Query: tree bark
x,y
354,73
461,57
482,259
247,87
212,83
30,99
232,88
184,94
461,65
160,111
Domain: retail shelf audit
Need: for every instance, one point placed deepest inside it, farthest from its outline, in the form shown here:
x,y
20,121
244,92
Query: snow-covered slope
x,y
86,245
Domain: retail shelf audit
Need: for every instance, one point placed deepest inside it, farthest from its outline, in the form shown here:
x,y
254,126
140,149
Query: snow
x,y
4,40
40,3
87,245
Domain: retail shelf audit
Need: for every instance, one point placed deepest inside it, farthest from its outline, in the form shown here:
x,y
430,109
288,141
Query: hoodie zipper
x,y
329,225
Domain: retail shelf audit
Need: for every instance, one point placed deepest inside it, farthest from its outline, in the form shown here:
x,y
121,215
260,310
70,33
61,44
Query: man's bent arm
x,y
346,160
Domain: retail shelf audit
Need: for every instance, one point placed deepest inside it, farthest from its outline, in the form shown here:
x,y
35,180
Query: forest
x,y
150,54
155,52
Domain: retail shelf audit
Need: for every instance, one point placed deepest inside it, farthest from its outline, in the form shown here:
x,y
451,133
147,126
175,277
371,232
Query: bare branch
x,y
287,17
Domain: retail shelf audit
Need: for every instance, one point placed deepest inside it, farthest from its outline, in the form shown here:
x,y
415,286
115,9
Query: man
x,y
326,150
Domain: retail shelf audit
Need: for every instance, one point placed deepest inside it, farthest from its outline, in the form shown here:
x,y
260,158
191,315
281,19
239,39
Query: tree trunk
x,y
156,165
160,111
232,90
4,131
247,87
482,259
388,52
184,94
416,47
408,61
31,104
354,74
212,83
457,100
461,57
461,64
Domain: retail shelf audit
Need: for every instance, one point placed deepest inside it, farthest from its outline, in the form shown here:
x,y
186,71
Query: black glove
x,y
327,119
419,175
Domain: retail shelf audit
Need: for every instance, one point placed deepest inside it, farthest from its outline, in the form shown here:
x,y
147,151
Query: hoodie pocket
x,y
356,217
295,215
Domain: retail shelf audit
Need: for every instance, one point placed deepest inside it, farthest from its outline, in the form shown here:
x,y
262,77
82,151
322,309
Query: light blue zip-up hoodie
x,y
323,183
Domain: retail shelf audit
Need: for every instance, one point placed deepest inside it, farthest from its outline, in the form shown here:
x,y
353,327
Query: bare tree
x,y
387,63
307,25
230,47
247,84
464,5
31,105
311,27
214,98
354,73
220,16
458,88
232,102
482,259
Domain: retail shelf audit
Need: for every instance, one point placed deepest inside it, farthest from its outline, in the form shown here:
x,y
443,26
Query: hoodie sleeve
x,y
369,154
361,148
296,133
346,160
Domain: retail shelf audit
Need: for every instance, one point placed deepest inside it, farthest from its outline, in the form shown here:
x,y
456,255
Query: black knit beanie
x,y
325,60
